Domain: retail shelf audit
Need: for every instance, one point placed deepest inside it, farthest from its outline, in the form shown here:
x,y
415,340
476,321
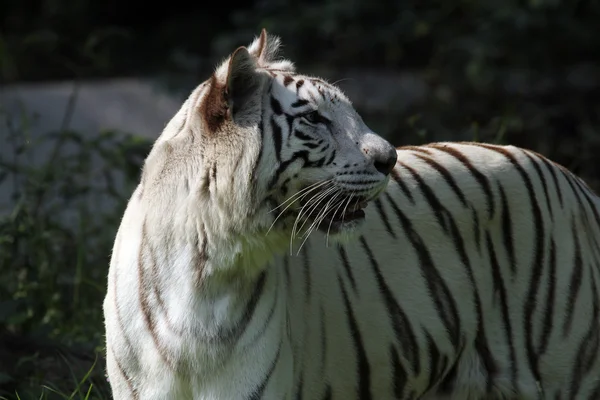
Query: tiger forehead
x,y
313,86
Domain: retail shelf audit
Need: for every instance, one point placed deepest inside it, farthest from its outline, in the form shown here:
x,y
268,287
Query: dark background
x,y
502,71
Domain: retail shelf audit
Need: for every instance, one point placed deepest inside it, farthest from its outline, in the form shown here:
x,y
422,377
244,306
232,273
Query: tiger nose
x,y
384,158
386,161
379,152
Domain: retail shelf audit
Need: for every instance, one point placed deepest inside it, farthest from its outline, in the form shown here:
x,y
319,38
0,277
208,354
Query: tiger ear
x,y
265,48
259,45
242,83
233,94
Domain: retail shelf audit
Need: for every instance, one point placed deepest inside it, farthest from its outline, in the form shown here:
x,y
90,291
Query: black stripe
x,y
552,169
584,220
299,103
587,354
398,372
347,268
435,361
261,125
301,135
548,322
483,350
448,384
542,180
596,391
450,226
323,332
583,188
333,153
384,218
438,290
327,394
447,177
277,138
502,293
258,393
575,283
300,386
286,270
267,321
306,269
310,145
507,230
479,177
442,215
398,179
276,106
538,251
363,371
476,228
400,322
289,119
282,167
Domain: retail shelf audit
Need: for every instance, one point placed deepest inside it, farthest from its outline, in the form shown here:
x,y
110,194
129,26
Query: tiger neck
x,y
232,255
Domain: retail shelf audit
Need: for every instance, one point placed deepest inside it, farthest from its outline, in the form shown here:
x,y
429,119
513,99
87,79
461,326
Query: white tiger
x,y
194,309
473,276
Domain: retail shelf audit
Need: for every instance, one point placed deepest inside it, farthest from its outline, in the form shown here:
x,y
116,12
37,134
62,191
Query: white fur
x,y
198,234
403,273
193,247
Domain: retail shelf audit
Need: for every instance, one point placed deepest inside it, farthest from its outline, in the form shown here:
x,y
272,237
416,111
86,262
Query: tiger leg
x,y
159,383
473,381
121,386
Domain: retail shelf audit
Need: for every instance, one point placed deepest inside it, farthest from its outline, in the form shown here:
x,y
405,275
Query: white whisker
x,y
318,202
331,222
322,213
306,209
304,192
319,219
347,204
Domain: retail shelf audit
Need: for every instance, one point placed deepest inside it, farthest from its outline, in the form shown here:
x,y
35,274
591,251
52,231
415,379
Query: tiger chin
x,y
257,157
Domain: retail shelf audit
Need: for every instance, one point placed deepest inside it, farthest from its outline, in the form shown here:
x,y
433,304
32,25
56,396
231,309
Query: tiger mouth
x,y
334,214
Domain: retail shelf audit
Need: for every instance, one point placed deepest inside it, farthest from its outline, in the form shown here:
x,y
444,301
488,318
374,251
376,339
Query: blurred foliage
x,y
55,244
478,39
523,72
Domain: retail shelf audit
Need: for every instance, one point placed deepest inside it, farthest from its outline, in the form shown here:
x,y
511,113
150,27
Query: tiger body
x,y
433,296
476,276
195,308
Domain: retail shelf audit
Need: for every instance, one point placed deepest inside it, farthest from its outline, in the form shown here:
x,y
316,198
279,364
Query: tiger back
x,y
476,276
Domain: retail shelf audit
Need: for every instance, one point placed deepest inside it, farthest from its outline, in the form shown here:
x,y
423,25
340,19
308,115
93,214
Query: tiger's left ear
x,y
234,92
242,83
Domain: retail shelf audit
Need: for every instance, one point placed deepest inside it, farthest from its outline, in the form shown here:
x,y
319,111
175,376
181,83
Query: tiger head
x,y
275,150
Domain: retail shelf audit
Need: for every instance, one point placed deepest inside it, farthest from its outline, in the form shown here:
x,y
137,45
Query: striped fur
x,y
476,276
195,308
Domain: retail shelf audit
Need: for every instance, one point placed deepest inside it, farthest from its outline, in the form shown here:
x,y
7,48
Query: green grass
x,y
84,387
55,242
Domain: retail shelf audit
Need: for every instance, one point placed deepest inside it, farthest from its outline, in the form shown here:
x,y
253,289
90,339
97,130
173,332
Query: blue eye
x,y
313,117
